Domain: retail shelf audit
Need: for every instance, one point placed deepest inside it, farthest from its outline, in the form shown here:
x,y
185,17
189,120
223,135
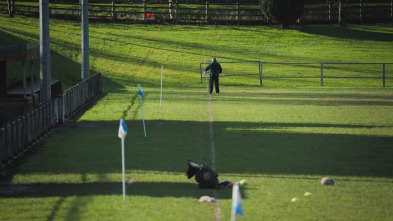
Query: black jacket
x,y
215,69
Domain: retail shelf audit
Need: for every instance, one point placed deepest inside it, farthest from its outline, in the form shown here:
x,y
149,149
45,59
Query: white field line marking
x,y
217,207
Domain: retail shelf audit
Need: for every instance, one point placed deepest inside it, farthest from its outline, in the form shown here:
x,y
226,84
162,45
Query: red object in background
x,y
149,15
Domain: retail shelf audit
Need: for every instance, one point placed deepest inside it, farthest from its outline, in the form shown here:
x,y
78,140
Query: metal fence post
x,y
321,74
3,146
14,140
260,74
29,126
200,68
8,142
19,135
60,110
383,75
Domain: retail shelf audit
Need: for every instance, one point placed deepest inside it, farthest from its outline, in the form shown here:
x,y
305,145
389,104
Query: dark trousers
x,y
215,79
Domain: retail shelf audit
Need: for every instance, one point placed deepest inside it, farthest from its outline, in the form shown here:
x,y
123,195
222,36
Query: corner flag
x,y
236,202
140,90
123,130
143,117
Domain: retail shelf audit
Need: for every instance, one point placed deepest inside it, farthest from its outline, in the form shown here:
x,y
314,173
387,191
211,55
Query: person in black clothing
x,y
215,71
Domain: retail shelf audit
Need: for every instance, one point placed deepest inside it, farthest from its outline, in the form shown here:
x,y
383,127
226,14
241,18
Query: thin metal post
x,y
31,78
3,77
200,68
24,78
162,73
321,75
123,169
383,75
260,74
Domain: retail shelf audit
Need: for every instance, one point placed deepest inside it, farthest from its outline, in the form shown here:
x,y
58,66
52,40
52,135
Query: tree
x,y
11,8
283,12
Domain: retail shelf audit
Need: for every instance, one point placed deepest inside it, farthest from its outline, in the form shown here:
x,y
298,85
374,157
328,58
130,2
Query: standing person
x,y
215,71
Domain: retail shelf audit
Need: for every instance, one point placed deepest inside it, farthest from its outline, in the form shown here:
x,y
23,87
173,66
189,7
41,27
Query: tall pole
x,y
45,81
85,40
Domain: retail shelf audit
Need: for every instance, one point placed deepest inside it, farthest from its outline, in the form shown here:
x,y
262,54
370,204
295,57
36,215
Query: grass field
x,y
282,139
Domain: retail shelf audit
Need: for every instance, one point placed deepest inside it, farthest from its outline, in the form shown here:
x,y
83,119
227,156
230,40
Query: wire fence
x,y
320,71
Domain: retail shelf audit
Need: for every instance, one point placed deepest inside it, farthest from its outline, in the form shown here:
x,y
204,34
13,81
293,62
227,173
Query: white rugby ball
x,y
327,181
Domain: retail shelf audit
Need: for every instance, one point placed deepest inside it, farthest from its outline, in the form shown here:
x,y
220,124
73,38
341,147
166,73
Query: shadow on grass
x,y
298,98
348,33
151,189
241,148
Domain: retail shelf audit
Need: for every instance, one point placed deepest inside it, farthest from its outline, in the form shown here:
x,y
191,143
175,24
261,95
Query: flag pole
x,y
123,169
236,202
123,130
235,190
143,118
162,71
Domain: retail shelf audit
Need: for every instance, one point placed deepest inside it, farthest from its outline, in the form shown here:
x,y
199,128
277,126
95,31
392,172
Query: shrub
x,y
283,12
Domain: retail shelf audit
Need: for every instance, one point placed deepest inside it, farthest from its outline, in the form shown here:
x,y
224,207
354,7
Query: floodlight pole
x,y
85,39
45,81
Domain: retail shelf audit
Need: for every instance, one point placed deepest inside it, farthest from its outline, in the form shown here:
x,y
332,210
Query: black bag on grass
x,y
205,176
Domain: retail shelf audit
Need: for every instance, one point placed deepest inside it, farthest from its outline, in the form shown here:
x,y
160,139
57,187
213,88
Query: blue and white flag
x,y
123,130
236,202
140,90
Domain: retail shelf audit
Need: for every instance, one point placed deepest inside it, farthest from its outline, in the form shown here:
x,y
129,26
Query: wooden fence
x,y
206,12
20,135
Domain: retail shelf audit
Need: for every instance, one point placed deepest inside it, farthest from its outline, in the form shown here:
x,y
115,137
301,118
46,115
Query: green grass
x,y
136,52
282,139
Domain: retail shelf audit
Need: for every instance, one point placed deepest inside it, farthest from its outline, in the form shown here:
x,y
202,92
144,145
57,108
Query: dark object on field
x,y
205,176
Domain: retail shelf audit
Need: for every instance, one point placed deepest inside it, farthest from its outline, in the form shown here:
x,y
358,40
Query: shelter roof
x,y
20,52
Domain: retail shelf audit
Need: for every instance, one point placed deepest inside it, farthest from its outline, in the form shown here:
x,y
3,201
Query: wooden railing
x,y
211,12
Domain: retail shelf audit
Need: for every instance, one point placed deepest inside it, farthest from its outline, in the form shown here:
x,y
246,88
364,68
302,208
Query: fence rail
x,y
322,76
317,11
379,74
18,136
